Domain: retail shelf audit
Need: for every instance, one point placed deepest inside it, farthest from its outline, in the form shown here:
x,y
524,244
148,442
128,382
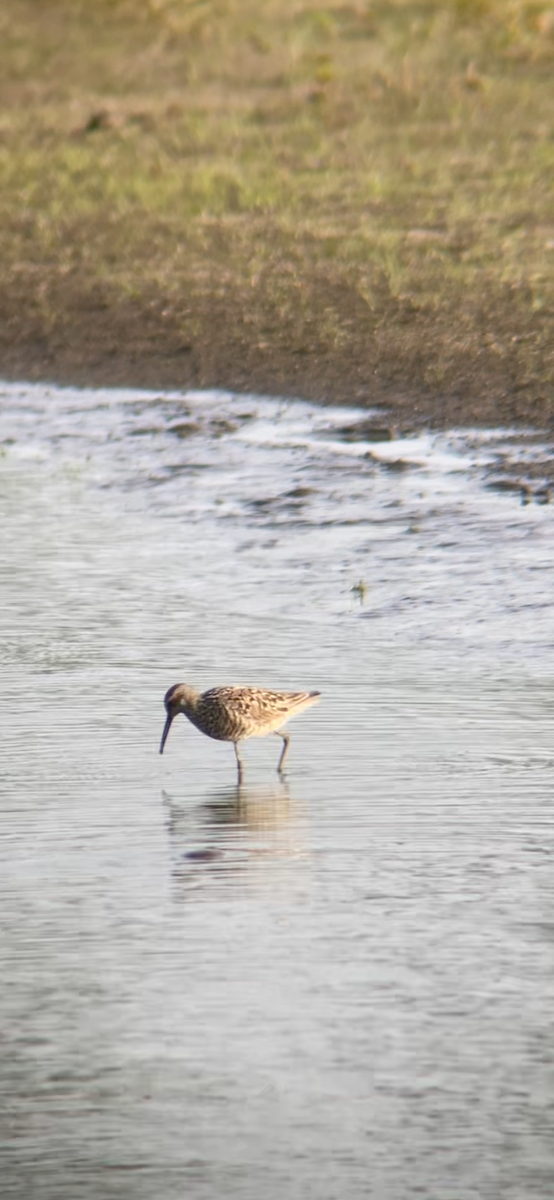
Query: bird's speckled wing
x,y
233,713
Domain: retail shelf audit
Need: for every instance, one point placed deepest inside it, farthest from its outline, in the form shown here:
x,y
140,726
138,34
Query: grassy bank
x,y
351,202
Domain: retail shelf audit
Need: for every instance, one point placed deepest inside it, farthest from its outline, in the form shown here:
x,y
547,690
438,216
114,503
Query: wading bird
x,y
232,714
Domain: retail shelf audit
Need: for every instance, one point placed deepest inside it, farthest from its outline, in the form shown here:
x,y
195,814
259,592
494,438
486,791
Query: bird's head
x,y
178,699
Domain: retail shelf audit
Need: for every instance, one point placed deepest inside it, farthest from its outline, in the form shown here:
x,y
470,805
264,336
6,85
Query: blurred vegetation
x,y
364,175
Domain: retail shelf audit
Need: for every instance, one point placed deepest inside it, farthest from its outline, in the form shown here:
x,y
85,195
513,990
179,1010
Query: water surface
x,y
337,985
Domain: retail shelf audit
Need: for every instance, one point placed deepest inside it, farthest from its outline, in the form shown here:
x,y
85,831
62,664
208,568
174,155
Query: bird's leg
x,y
286,740
239,761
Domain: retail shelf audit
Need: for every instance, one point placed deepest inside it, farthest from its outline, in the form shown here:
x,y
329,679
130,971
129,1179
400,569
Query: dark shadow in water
x,y
230,832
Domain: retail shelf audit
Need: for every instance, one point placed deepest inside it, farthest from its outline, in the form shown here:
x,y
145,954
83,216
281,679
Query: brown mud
x,y
63,331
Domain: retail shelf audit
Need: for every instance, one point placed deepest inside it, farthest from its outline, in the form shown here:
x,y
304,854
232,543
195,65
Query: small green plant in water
x,y
360,590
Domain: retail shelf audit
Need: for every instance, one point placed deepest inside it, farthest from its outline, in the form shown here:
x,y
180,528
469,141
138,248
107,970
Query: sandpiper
x,y
232,714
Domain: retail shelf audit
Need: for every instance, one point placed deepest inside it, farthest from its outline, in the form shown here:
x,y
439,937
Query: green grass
x,y
399,154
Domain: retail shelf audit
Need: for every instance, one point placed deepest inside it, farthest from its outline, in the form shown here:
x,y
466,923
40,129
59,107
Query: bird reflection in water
x,y
232,833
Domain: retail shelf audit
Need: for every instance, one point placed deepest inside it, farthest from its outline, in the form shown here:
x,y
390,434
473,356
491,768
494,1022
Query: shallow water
x,y
338,985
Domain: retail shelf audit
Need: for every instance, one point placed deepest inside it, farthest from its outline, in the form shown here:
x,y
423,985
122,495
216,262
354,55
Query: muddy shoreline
x,y
62,331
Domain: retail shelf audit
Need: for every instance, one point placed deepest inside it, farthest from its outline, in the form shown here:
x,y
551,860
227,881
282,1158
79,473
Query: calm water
x,y
337,986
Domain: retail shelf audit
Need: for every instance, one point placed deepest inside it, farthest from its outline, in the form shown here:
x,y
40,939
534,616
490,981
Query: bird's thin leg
x,y
239,761
286,740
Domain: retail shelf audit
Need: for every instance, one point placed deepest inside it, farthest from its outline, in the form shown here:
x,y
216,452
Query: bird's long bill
x,y
167,727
